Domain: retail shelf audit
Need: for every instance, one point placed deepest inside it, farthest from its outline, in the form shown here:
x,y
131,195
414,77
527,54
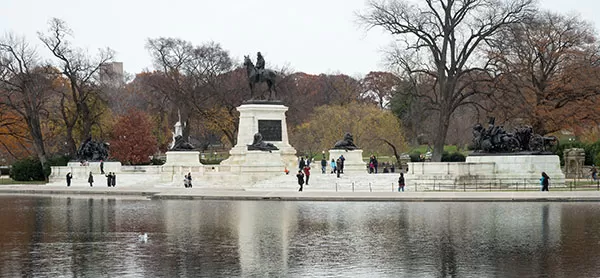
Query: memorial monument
x,y
353,161
262,148
499,158
181,157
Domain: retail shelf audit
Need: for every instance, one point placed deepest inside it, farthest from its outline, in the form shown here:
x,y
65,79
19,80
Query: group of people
x,y
111,179
303,175
187,180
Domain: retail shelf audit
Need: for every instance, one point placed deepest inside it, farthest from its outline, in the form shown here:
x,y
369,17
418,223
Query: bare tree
x,y
550,69
192,78
82,73
441,38
24,86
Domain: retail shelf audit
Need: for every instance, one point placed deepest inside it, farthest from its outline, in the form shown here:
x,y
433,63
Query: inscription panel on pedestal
x,y
270,129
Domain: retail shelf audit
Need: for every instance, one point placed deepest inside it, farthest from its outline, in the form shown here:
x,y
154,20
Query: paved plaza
x,y
168,192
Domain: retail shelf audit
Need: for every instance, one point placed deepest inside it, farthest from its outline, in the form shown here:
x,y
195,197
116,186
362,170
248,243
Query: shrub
x,y
157,161
415,157
29,169
453,157
59,160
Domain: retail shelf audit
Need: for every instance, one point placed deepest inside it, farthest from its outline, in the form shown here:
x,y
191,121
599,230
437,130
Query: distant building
x,y
111,74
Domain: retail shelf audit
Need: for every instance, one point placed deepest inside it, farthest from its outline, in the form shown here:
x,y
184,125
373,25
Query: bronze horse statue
x,y
255,76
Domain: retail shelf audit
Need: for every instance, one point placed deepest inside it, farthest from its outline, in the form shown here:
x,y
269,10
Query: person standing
x,y
375,163
189,177
302,163
323,165
113,180
101,166
91,179
401,183
307,173
69,177
594,172
185,181
545,181
108,179
341,164
333,168
300,177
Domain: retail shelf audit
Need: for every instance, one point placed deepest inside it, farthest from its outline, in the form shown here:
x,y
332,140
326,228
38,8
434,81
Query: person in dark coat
x,y
113,181
108,179
300,177
401,182
302,163
69,177
91,179
102,167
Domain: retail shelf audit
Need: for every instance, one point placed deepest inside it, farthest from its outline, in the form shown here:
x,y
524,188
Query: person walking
x,y
323,165
69,177
189,177
401,183
307,173
300,177
545,180
186,181
91,179
101,166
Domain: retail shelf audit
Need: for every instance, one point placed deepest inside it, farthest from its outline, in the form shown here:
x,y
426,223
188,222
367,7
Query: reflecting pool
x,y
98,237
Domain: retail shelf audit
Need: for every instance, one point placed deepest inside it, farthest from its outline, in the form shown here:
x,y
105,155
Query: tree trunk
x,y
440,136
86,121
71,146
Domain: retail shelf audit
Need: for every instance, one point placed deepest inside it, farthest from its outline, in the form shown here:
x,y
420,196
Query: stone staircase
x,y
357,182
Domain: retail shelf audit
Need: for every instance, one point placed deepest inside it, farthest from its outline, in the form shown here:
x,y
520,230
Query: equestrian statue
x,y
258,74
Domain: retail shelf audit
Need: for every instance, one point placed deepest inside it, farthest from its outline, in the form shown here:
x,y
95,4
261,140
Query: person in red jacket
x,y
306,173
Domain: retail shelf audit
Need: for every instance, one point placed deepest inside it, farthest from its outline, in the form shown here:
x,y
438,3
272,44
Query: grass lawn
x,y
7,180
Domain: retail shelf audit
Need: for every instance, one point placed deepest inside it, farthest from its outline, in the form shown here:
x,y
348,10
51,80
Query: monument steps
x,y
363,182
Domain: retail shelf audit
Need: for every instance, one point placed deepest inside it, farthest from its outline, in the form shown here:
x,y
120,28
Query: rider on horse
x,y
260,65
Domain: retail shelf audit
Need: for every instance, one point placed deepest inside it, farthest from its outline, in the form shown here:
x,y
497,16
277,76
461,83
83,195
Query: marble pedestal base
x,y
180,163
183,158
354,161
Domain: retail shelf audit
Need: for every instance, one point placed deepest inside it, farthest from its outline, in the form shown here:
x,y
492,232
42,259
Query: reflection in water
x,y
82,237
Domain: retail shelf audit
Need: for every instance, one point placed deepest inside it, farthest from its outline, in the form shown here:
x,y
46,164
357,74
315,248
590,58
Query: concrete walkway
x,y
178,193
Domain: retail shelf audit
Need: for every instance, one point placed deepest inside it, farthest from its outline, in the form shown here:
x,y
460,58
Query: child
x,y
401,183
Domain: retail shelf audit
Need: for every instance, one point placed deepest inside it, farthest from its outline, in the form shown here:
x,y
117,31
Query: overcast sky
x,y
313,36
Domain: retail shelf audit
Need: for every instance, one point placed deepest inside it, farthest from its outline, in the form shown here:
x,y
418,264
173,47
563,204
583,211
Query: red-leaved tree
x,y
132,139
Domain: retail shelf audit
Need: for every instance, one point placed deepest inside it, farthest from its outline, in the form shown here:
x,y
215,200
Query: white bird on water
x,y
143,237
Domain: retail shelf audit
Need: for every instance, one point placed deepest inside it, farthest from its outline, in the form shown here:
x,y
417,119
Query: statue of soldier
x,y
260,65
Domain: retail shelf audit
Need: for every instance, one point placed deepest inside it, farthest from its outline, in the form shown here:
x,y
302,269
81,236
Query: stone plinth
x,y
183,158
78,171
255,116
491,171
180,163
354,161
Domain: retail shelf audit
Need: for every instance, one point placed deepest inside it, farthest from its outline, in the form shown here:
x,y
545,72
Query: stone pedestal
x,y
354,161
78,171
270,121
522,165
180,163
183,158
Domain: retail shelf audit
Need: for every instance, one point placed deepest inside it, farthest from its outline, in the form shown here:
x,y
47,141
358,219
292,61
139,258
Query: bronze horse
x,y
254,77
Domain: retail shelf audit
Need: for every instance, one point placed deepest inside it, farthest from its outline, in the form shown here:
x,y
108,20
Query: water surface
x,y
93,237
